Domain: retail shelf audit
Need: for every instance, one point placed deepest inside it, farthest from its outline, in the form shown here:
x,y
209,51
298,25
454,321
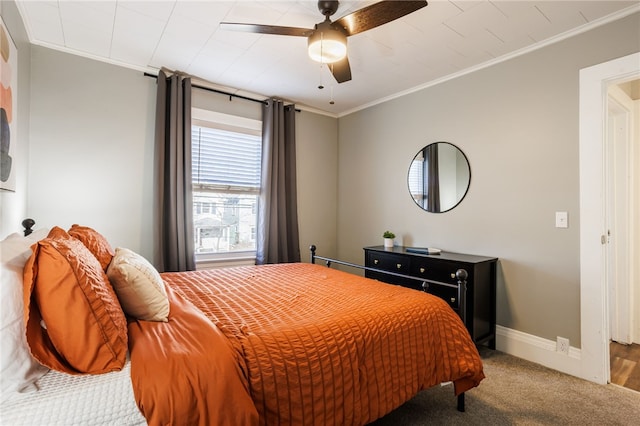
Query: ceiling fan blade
x,y
266,29
341,70
377,14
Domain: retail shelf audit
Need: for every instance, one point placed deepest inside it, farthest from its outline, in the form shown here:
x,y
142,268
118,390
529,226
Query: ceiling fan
x,y
327,41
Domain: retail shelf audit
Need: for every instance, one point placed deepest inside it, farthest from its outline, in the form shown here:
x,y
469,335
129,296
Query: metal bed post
x,y
462,275
28,224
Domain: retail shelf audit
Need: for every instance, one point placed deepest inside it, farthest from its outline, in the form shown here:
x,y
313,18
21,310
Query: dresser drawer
x,y
395,263
448,294
388,262
433,270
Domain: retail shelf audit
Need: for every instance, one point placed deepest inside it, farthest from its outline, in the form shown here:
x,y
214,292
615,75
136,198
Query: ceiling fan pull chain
x,y
321,85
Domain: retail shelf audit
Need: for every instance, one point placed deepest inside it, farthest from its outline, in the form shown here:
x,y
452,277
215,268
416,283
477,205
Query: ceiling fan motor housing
x,y
328,7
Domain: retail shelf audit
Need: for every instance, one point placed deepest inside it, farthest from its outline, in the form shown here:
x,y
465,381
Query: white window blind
x,y
416,178
224,160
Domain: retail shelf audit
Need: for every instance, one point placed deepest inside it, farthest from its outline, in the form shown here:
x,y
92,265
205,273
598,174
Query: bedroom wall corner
x,y
13,205
317,173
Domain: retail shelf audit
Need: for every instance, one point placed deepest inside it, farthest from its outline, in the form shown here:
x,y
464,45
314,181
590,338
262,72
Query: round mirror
x,y
439,177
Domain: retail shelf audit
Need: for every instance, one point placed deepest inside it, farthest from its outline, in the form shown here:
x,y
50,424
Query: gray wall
x,y
517,122
91,150
91,156
317,170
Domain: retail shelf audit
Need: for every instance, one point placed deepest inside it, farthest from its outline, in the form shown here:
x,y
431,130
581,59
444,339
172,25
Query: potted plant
x,y
388,238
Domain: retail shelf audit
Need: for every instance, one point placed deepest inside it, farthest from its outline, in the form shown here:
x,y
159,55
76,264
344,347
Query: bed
x,y
273,344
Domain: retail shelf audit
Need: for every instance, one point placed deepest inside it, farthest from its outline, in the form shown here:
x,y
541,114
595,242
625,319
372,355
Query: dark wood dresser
x,y
480,296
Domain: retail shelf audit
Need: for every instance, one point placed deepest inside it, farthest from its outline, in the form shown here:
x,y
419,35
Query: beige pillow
x,y
139,286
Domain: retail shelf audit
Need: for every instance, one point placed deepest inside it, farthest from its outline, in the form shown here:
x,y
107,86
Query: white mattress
x,y
62,399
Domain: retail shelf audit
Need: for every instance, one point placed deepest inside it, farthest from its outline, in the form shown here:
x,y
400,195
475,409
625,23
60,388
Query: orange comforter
x,y
311,345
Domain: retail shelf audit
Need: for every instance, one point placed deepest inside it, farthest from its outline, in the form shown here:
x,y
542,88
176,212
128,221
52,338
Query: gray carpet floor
x,y
518,392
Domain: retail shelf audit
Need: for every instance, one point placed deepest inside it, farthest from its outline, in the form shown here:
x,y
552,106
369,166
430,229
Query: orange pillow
x,y
95,242
74,321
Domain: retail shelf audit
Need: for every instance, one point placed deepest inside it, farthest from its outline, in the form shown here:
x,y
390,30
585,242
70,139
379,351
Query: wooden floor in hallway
x,y
625,365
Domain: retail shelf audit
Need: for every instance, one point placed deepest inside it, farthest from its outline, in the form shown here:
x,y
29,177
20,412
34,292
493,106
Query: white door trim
x,y
593,292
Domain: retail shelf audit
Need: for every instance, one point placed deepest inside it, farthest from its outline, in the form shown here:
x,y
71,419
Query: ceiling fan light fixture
x,y
327,41
327,46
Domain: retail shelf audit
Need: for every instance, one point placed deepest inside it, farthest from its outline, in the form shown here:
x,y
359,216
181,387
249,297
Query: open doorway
x,y
594,290
622,147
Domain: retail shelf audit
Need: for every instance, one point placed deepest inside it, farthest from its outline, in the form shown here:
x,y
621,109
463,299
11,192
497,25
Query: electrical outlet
x,y
562,345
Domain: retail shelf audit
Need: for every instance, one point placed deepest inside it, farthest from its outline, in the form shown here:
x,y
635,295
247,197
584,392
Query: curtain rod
x,y
246,98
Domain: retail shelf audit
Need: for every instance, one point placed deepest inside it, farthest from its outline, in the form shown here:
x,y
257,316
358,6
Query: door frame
x,y
594,312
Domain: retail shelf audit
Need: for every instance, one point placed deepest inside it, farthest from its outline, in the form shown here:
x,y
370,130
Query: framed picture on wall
x,y
8,110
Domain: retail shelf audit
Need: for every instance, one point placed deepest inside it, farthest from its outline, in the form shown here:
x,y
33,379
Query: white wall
x,y
517,122
13,205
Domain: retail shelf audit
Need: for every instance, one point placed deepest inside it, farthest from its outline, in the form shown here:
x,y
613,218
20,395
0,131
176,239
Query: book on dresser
x,y
439,274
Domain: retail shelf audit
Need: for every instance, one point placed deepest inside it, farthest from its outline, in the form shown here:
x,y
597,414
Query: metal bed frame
x,y
461,286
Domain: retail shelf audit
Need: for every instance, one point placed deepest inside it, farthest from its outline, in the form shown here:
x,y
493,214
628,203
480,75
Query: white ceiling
x,y
444,39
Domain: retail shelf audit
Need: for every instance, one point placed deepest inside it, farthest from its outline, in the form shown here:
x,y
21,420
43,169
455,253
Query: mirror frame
x,y
468,181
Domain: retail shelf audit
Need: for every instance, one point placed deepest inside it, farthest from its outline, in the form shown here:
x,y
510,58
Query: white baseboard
x,y
539,350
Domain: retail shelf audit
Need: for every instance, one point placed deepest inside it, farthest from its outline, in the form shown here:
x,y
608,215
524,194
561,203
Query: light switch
x,y
562,220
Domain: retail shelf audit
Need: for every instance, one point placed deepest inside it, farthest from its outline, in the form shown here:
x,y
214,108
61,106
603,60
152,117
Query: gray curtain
x,y
174,204
278,240
433,178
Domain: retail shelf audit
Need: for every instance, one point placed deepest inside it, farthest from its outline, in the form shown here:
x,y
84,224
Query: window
x,y
226,157
416,179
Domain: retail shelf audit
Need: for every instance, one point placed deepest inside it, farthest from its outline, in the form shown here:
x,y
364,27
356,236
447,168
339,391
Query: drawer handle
x,y
453,275
422,270
425,286
453,300
398,265
375,261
